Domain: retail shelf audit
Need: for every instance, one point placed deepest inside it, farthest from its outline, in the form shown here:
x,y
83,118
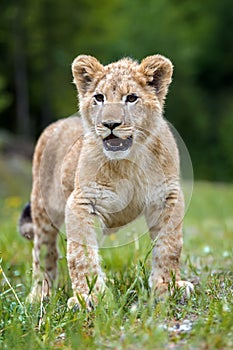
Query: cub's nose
x,y
111,125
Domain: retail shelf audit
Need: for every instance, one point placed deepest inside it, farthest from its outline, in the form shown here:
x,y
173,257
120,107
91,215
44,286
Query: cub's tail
x,y
25,225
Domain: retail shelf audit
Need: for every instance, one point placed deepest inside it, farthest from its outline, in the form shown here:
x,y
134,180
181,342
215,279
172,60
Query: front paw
x,y
186,287
169,288
82,301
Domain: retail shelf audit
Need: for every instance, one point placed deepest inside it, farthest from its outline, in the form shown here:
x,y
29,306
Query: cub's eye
x,y
99,97
131,98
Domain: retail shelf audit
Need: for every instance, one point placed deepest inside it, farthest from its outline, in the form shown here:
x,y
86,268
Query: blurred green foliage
x,y
40,38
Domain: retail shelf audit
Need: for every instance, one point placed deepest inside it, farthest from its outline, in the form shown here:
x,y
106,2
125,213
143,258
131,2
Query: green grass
x,y
128,317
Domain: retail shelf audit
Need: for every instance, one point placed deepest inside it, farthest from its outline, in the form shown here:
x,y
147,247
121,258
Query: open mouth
x,y
114,143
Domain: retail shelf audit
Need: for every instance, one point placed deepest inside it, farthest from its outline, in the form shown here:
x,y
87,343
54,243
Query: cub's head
x,y
121,104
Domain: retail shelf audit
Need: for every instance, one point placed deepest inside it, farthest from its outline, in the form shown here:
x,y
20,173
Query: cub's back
x,y
54,155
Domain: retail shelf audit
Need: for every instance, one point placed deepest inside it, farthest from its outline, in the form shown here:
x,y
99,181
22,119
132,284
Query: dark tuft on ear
x,y
85,69
158,72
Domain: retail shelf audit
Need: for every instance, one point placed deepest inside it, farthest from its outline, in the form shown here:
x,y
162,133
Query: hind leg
x,y
44,274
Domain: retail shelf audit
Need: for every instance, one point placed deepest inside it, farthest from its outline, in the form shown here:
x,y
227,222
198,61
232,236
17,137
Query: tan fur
x,y
77,179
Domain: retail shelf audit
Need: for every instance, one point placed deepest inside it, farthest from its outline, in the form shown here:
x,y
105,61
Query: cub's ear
x,y
85,69
158,72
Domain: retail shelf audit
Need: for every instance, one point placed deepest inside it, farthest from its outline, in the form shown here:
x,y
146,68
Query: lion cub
x,y
116,162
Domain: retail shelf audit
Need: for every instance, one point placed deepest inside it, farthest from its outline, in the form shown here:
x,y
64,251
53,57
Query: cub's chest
x,y
118,191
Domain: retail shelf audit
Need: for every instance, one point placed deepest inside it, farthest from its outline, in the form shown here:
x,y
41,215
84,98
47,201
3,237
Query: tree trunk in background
x,y
20,77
